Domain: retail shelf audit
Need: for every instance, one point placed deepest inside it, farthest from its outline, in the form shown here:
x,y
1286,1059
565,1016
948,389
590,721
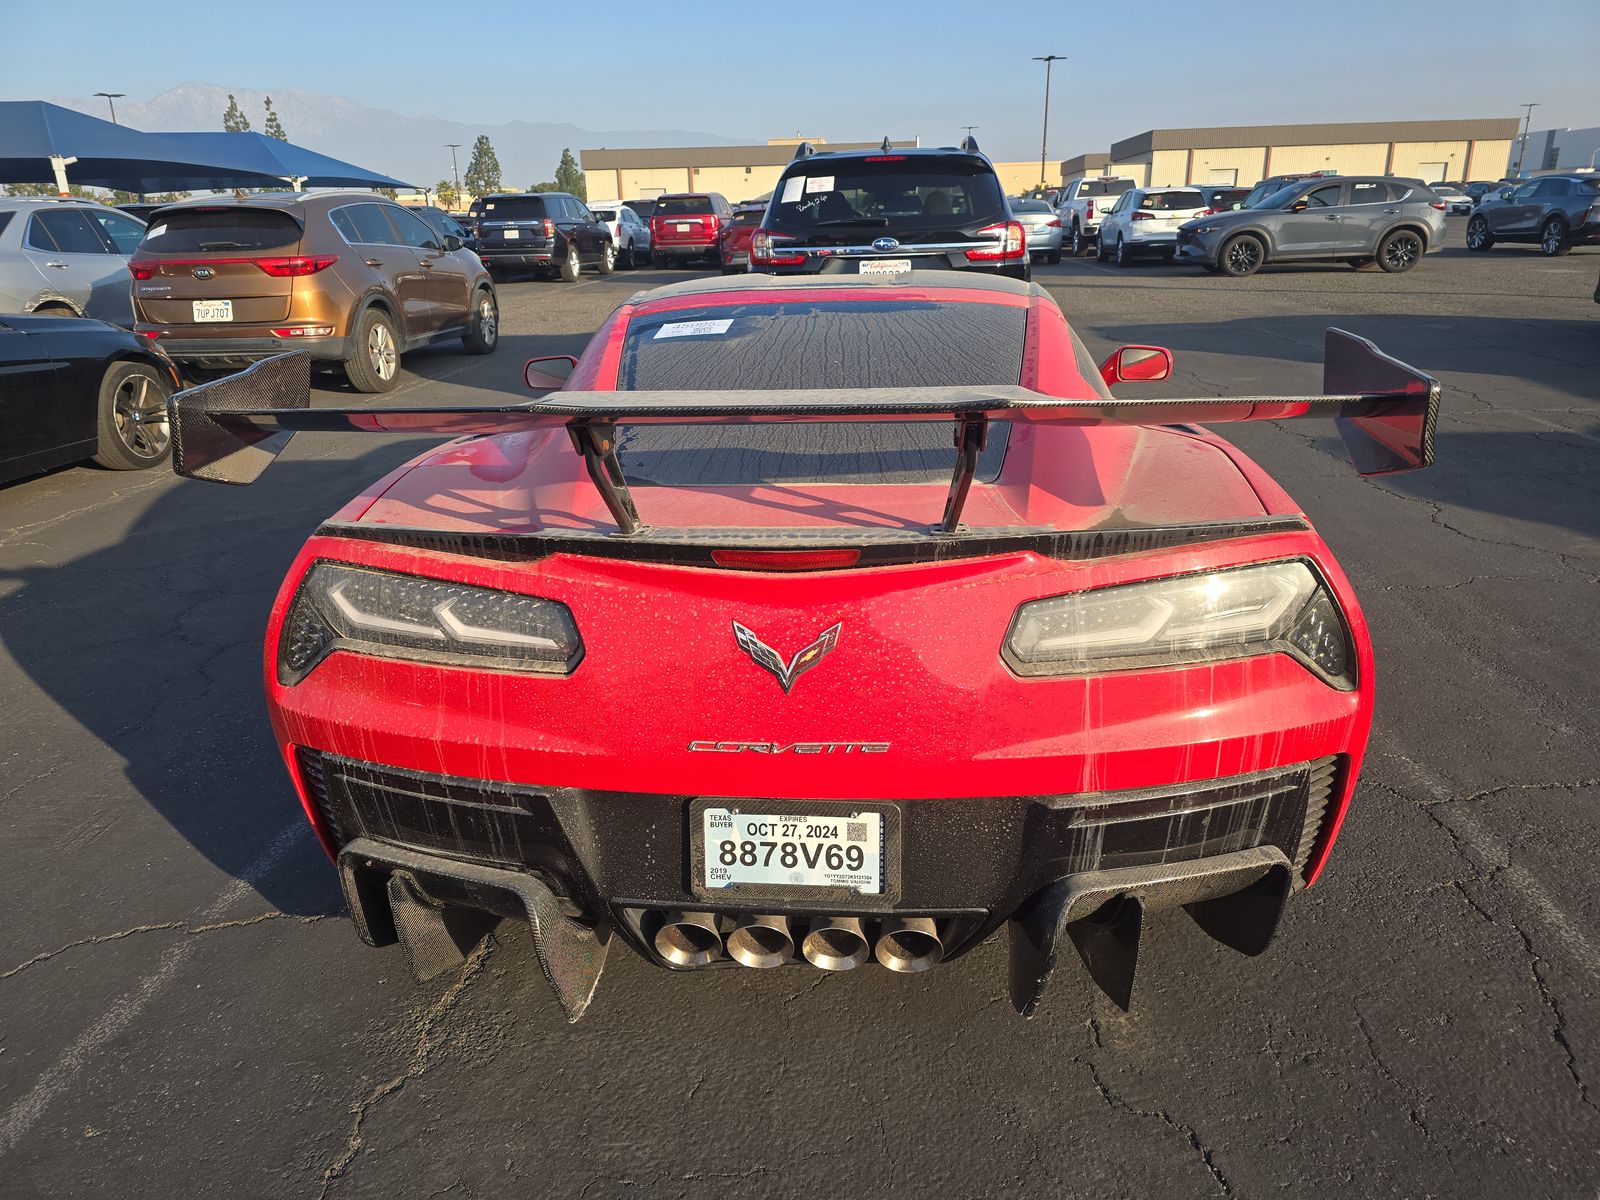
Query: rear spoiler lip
x,y
1385,412
879,547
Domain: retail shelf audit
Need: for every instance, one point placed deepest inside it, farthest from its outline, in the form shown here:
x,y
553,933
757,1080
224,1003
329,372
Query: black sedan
x,y
72,389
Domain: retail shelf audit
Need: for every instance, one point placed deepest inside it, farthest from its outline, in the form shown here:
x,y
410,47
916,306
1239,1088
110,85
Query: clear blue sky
x,y
854,70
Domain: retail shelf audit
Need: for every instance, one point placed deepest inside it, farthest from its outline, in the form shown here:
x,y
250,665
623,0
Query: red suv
x,y
733,247
688,226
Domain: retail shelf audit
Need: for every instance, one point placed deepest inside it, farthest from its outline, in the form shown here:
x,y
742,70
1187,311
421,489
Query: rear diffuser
x,y
1237,898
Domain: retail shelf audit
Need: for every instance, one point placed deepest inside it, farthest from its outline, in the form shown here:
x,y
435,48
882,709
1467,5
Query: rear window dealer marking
x,y
694,328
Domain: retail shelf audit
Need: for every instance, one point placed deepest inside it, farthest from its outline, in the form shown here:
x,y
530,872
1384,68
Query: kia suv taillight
x,y
296,265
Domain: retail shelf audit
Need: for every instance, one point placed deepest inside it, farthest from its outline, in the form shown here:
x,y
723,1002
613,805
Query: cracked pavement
x,y
184,1007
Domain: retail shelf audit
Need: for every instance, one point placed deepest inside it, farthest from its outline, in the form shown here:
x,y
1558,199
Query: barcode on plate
x,y
855,831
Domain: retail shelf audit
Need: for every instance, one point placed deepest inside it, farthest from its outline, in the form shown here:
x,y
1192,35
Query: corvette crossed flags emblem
x,y
769,659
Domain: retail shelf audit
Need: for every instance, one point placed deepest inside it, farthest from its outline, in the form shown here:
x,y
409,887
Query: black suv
x,y
1556,211
885,211
547,232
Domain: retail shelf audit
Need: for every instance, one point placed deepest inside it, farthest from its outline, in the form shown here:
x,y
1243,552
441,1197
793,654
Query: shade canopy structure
x,y
41,141
284,161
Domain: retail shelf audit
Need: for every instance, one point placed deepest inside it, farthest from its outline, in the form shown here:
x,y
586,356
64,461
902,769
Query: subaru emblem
x,y
886,245
202,272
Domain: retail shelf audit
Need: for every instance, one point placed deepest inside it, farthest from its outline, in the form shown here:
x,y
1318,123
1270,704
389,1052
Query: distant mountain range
x,y
409,148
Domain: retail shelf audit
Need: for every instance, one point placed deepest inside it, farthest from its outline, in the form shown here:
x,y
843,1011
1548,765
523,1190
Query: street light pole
x,y
1527,122
111,99
1049,60
455,172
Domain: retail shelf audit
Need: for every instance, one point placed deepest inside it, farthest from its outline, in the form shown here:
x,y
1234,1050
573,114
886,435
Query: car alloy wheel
x,y
488,319
1077,241
139,412
1401,252
1477,233
1553,238
381,352
1123,257
1242,256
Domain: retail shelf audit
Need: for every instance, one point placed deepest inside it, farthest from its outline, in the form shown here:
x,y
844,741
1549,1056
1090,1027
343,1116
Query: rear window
x,y
748,216
869,343
1036,206
683,206
910,195
1172,201
187,231
604,214
512,208
1105,187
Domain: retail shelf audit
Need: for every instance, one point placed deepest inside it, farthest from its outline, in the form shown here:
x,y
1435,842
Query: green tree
x,y
569,178
483,172
549,185
446,191
49,189
274,127
389,193
234,120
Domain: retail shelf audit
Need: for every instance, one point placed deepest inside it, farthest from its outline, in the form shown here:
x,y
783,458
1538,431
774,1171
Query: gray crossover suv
x,y
1361,220
66,257
1556,211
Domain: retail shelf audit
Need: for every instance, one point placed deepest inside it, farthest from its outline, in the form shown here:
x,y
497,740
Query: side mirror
x,y
452,243
1137,364
549,374
1300,206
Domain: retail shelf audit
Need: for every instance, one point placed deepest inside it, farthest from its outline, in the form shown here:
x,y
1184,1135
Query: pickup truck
x,y
1083,202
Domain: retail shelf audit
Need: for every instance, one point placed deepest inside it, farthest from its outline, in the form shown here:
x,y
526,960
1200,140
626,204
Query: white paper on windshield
x,y
791,189
819,183
693,328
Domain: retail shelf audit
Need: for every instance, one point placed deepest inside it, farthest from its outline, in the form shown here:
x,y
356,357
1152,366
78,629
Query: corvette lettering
x,y
709,747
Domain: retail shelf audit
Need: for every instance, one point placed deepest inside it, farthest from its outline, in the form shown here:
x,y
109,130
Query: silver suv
x,y
67,257
1362,220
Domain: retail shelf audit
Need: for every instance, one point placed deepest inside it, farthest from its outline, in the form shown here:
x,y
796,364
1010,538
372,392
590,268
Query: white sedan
x,y
1145,221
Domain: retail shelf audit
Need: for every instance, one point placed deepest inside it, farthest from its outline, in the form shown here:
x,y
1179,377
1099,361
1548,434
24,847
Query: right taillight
x,y
765,251
295,265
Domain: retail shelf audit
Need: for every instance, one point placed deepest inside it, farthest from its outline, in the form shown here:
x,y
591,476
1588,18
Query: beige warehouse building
x,y
1431,150
737,172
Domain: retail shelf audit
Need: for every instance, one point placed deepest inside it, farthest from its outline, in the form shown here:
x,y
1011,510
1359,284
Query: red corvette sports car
x,y
821,620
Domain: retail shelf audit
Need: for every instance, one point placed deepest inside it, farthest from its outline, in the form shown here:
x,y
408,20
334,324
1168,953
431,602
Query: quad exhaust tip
x,y
761,941
689,939
909,944
836,944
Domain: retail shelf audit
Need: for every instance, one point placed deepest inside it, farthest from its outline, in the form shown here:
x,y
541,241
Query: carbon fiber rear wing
x,y
230,430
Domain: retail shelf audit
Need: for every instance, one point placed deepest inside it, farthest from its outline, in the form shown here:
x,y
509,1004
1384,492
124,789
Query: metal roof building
x,y
738,172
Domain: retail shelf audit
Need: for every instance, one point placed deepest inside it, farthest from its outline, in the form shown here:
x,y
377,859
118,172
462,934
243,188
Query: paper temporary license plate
x,y
802,851
885,266
682,227
510,234
213,310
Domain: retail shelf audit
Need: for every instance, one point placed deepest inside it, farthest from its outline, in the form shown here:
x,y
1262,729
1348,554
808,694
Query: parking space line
x,y
25,1113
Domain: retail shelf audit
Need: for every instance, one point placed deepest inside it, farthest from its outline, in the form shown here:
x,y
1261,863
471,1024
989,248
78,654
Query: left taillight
x,y
142,270
1011,239
296,265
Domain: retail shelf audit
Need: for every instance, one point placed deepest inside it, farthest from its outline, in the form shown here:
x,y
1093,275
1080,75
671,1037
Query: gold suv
x,y
353,279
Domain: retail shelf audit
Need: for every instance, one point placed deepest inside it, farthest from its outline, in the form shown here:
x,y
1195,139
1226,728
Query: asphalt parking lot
x,y
184,1008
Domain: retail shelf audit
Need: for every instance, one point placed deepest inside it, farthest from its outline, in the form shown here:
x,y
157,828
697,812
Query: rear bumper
x,y
586,866
684,249
242,351
520,257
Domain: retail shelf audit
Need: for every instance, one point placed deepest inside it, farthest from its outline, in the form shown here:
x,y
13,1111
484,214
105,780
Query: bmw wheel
x,y
1400,251
133,417
1478,235
1553,238
1242,256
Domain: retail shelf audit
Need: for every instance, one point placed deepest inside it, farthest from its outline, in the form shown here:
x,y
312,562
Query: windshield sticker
x,y
819,183
694,328
791,189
